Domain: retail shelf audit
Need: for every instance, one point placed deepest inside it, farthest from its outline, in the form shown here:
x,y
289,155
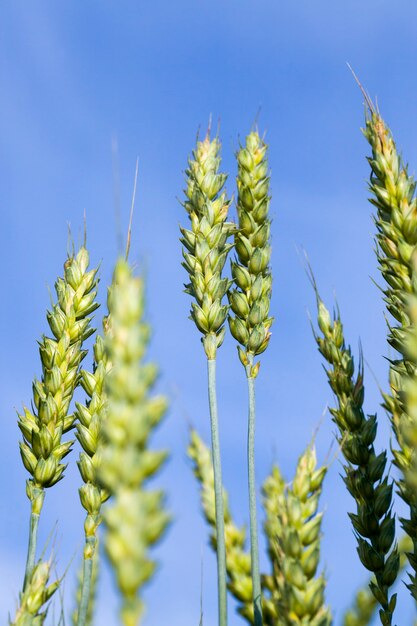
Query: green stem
x,y
36,496
90,543
33,536
218,494
254,549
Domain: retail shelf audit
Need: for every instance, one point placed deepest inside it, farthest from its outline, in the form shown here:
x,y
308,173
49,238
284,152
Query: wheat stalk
x,y
42,449
136,518
205,252
373,523
393,191
250,303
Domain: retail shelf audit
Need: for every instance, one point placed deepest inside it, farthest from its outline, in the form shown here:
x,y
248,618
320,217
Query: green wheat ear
x,y
92,494
393,195
250,298
205,252
293,529
33,606
42,449
135,518
205,244
373,522
365,605
250,302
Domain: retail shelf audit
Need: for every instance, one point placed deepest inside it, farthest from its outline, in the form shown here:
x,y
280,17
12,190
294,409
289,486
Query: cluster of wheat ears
x,y
120,413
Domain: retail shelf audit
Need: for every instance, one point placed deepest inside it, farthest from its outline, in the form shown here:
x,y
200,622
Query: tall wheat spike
x,y
135,518
250,303
393,195
42,449
205,252
373,522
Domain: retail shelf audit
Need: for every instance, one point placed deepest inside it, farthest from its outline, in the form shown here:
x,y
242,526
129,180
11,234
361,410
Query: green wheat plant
x,y
250,303
365,477
42,448
271,569
393,195
292,591
205,252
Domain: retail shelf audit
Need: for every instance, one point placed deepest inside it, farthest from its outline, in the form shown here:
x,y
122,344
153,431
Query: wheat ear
x,y
33,606
250,302
293,526
92,495
42,449
373,522
205,252
135,519
393,195
365,604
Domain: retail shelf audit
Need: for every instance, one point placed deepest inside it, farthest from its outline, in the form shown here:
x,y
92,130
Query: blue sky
x,y
75,75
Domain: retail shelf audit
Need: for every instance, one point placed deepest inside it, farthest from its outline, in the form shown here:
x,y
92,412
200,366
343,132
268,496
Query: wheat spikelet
x,y
373,521
135,518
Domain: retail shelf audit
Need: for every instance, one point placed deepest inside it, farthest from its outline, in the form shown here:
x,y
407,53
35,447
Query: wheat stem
x,y
254,549
31,555
90,546
218,492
